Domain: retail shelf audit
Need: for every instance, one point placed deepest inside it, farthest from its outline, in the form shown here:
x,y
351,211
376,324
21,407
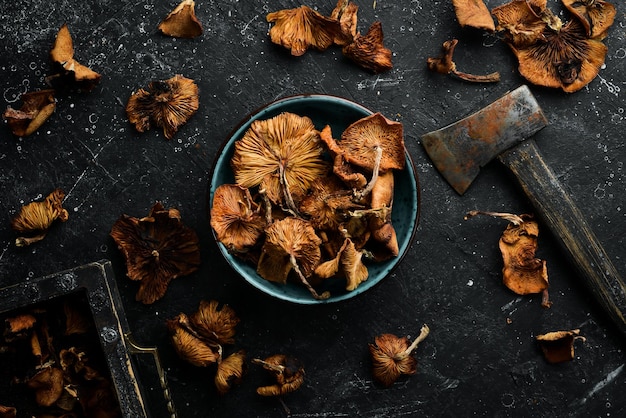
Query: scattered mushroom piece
x,y
391,356
302,28
7,412
521,22
19,326
369,51
37,106
48,385
230,371
595,15
288,372
215,323
157,249
72,74
167,104
443,64
182,22
522,272
327,203
236,219
346,13
558,346
189,346
473,13
35,218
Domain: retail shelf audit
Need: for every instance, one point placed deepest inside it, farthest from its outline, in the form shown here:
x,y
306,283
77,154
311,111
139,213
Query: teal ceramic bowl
x,y
339,113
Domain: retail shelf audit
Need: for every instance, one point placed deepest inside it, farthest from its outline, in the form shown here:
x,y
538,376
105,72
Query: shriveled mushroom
x,y
391,356
302,28
71,73
522,272
473,13
48,385
443,64
157,249
520,21
189,346
236,219
182,22
595,15
368,51
215,323
327,203
35,218
346,13
8,411
18,326
287,370
558,346
230,371
37,107
167,104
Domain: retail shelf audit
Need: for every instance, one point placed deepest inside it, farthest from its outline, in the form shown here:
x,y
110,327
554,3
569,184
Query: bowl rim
x,y
410,166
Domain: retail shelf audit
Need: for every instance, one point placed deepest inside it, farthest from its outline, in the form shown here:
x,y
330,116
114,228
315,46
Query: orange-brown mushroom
x,y
473,13
391,356
35,218
346,13
287,371
8,411
189,346
157,249
521,21
368,51
48,385
443,64
558,346
302,28
182,22
230,371
327,203
215,323
71,73
595,15
37,107
167,104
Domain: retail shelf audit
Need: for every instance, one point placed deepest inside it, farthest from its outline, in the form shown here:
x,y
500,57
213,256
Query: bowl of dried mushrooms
x,y
314,198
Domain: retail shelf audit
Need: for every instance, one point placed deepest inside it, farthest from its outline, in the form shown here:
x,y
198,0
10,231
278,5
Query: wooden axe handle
x,y
557,210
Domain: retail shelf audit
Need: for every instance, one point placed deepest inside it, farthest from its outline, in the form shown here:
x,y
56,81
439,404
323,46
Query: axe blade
x,y
459,150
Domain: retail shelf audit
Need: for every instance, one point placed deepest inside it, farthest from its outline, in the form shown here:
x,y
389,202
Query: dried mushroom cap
x,y
558,346
230,371
35,218
7,411
214,323
473,13
236,219
18,325
595,15
352,266
288,372
369,51
37,106
443,64
282,155
182,22
521,21
188,346
157,249
48,385
362,138
73,73
326,203
302,28
391,356
167,104
346,13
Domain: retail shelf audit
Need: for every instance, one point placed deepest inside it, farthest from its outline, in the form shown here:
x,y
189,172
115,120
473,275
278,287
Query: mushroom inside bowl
x,y
338,114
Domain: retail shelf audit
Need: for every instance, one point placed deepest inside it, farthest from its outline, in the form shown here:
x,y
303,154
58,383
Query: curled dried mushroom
x,y
558,346
597,16
473,13
287,371
71,74
182,22
37,107
35,218
369,51
157,248
443,64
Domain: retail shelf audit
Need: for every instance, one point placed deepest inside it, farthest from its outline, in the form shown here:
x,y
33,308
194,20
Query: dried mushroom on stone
x,y
558,346
368,51
443,64
37,107
70,73
597,16
167,104
34,219
473,13
522,272
157,248
182,22
392,356
287,371
7,412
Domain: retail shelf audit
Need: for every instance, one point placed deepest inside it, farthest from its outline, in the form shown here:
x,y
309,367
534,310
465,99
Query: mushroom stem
x,y
488,78
270,366
291,205
514,219
360,194
305,282
268,207
26,241
381,212
423,334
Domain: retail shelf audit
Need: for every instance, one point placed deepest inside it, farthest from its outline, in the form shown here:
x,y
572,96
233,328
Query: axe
x,y
502,130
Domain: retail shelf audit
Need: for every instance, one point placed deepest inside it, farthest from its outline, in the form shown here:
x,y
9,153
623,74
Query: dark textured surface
x,y
474,362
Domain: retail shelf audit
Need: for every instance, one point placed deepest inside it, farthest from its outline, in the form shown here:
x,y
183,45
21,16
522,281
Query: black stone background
x,y
474,363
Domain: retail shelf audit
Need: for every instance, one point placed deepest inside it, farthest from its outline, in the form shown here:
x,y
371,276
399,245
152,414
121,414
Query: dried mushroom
x,y
7,412
473,13
35,218
558,346
157,248
288,372
189,346
302,28
595,15
443,64
368,51
522,272
71,73
215,323
345,12
167,104
48,385
230,371
37,106
392,356
182,22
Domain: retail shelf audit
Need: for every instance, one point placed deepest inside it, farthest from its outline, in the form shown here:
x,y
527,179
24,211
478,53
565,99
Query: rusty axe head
x,y
460,149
